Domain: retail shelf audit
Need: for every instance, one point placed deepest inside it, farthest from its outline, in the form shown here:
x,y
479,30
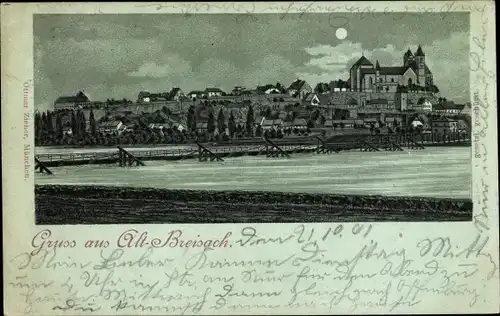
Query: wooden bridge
x,y
271,148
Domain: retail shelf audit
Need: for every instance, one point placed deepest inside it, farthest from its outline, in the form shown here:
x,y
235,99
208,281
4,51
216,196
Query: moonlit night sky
x,y
116,56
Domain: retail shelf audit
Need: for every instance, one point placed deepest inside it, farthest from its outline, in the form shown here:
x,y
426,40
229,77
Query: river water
x,y
432,172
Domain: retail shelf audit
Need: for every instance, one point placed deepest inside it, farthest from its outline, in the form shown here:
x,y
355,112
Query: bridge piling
x,y
323,148
273,150
204,154
126,159
41,166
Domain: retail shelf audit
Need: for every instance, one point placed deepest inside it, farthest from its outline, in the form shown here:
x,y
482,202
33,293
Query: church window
x,y
371,83
410,82
392,79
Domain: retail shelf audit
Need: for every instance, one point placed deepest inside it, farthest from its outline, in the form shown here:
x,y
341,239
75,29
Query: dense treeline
x,y
73,128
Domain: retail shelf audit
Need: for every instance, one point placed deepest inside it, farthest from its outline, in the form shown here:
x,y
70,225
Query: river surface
x,y
432,172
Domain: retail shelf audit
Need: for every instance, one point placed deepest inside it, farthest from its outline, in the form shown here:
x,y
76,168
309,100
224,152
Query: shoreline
x,y
74,204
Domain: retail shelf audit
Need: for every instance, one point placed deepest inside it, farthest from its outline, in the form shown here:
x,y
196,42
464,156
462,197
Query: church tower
x,y
420,60
408,58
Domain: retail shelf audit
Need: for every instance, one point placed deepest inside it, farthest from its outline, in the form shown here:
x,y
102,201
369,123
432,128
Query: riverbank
x,y
71,205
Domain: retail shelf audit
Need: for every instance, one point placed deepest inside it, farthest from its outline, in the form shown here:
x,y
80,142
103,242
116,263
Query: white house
x,y
417,123
213,92
112,127
427,106
448,107
315,99
339,89
67,130
299,123
196,94
299,88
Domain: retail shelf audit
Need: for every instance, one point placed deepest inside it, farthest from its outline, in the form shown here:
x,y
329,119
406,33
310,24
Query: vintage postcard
x,y
227,158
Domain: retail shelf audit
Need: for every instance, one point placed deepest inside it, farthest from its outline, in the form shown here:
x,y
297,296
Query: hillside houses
x,y
213,92
299,88
111,127
268,89
448,108
298,106
175,94
237,90
317,100
71,102
195,94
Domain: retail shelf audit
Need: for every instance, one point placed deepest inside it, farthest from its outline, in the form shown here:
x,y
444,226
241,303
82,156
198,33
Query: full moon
x,y
341,33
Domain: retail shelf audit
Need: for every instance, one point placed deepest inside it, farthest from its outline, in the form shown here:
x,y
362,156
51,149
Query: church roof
x,y
363,62
419,52
297,85
79,97
408,53
427,70
367,71
392,70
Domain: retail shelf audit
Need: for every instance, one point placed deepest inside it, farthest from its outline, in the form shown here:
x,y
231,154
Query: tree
x,y
279,87
190,119
38,125
258,131
92,123
231,125
322,120
221,122
326,87
82,122
319,88
59,127
74,124
250,121
279,133
372,128
267,112
50,127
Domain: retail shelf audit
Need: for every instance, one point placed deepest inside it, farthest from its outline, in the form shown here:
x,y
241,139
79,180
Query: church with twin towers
x,y
367,77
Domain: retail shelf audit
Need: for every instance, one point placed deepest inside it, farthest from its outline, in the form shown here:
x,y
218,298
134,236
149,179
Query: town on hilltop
x,y
374,99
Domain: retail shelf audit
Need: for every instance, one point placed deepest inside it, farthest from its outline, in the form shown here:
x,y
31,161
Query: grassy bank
x,y
60,204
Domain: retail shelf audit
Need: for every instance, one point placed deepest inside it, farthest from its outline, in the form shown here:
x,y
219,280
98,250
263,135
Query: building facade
x,y
71,102
299,88
367,77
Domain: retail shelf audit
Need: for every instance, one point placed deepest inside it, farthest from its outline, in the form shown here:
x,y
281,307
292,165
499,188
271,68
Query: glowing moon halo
x,y
341,33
